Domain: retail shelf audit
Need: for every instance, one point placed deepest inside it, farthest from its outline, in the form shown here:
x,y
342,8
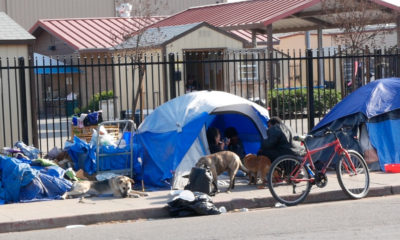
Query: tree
x,y
132,39
362,22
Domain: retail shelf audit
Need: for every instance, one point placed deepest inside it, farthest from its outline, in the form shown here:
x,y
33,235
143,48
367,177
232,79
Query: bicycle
x,y
290,177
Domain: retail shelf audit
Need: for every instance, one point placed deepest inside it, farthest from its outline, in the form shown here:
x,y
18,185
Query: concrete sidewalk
x,y
61,213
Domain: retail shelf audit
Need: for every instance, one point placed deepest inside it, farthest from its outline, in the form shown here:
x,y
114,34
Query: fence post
x,y
310,90
24,110
171,63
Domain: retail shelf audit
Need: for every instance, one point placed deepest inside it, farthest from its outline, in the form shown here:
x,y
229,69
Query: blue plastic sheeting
x,y
168,133
29,151
79,153
168,149
44,187
378,105
20,182
385,138
83,155
375,98
14,175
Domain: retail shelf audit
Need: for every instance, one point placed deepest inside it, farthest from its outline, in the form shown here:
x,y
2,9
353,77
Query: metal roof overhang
x,y
315,17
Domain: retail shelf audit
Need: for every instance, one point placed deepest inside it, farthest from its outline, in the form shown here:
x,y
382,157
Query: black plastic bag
x,y
201,205
201,180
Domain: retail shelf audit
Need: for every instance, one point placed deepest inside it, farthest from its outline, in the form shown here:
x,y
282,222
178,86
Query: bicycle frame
x,y
338,150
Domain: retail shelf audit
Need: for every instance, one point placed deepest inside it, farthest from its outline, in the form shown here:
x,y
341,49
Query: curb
x,y
86,219
162,212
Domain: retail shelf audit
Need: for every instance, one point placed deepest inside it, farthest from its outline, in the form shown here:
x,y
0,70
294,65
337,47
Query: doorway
x,y
204,70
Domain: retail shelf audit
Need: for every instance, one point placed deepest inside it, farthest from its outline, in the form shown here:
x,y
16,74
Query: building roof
x,y
163,35
284,15
12,31
239,15
93,33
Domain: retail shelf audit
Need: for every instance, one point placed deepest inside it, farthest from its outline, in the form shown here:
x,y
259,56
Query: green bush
x,y
95,101
294,102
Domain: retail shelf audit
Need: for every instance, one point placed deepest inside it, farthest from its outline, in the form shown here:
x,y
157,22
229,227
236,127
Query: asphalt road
x,y
371,218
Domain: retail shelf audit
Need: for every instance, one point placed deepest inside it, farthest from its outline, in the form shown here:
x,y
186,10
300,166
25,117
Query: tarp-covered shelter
x,y
377,105
174,135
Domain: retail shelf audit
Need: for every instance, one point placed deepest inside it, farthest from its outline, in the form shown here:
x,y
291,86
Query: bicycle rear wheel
x,y
283,186
354,182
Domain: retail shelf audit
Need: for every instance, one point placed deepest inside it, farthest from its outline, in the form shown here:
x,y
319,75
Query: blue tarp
x,y
168,133
20,182
384,134
375,98
83,155
377,104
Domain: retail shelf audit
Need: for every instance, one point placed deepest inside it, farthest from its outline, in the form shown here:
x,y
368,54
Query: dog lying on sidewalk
x,y
119,186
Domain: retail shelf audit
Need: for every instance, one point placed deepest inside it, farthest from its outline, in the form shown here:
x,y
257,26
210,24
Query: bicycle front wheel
x,y
353,181
288,181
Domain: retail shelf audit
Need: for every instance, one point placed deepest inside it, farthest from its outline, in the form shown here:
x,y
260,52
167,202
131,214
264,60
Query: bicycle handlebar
x,y
326,132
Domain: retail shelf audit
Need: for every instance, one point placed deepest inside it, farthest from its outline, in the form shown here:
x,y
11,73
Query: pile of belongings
x,y
88,119
83,154
25,177
188,203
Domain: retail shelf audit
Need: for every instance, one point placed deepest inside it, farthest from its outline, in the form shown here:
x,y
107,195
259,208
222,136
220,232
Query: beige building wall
x,y
27,12
126,75
295,46
297,42
203,37
10,103
206,39
154,79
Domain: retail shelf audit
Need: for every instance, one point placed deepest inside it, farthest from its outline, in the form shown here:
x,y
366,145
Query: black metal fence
x,y
300,87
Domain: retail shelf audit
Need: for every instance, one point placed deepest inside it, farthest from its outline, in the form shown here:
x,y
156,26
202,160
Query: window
x,y
248,72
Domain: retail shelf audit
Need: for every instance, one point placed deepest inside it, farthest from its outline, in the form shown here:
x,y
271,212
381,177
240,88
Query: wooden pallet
x,y
86,132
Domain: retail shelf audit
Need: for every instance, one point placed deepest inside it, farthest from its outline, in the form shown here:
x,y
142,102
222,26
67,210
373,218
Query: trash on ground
x,y
189,203
280,205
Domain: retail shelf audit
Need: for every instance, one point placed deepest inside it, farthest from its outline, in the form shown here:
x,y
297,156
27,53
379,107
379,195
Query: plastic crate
x,y
392,168
85,133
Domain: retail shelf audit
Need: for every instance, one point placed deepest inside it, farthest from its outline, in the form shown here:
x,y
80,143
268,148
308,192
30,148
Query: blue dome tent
x,y
377,105
173,136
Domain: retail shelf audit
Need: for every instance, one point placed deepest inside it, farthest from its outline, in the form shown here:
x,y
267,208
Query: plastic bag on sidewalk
x,y
185,205
201,180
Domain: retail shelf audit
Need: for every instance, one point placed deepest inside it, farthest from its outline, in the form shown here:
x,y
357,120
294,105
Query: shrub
x,y
294,102
95,101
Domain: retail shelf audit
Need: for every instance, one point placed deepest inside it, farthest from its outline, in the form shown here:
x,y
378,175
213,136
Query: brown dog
x,y
220,162
258,167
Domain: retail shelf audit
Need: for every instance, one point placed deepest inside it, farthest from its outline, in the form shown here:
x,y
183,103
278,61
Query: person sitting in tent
x,y
279,141
234,143
214,140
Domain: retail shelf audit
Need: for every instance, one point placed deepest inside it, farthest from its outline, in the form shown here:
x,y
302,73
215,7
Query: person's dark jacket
x,y
280,142
214,148
237,147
